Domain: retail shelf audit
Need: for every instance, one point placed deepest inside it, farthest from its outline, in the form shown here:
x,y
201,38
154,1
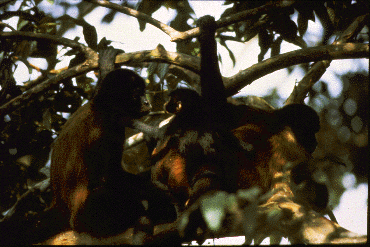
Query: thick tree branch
x,y
159,54
318,69
330,52
245,77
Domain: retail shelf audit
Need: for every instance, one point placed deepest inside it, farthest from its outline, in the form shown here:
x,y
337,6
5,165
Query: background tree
x,y
31,114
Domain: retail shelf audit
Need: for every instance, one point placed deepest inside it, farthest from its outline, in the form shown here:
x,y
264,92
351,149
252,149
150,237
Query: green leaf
x,y
302,24
213,210
231,54
90,34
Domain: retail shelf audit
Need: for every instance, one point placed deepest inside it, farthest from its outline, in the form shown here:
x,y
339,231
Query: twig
x,y
140,16
41,36
139,137
40,88
178,36
24,199
7,25
241,16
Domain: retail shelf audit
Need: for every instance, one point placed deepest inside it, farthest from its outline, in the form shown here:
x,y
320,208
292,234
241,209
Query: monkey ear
x,y
178,106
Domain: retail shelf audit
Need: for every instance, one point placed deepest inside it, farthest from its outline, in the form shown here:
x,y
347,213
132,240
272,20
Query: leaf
x,y
289,30
103,43
213,210
152,68
71,52
302,24
108,18
227,12
231,54
78,59
148,7
22,23
47,119
219,58
264,41
162,70
90,34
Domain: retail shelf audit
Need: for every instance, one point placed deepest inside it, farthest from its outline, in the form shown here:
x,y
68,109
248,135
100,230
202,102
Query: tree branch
x,y
40,36
140,16
159,54
241,16
7,25
24,199
232,84
245,77
178,36
318,69
38,90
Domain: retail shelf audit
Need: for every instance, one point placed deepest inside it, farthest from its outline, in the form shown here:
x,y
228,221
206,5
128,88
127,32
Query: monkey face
x,y
173,106
183,99
123,93
140,106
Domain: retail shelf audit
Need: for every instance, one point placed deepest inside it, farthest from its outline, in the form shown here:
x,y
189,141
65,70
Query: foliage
x,y
27,131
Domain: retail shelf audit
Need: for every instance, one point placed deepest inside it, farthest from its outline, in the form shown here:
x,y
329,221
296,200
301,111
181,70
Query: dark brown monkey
x,y
217,145
91,192
88,183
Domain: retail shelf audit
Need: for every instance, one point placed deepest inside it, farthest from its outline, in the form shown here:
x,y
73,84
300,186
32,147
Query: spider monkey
x,y
190,158
91,192
88,183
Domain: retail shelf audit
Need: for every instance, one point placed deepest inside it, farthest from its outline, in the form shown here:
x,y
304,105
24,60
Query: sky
x,y
124,30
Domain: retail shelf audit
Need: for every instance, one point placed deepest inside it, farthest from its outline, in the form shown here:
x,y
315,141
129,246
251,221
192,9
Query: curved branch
x,y
7,25
178,36
140,16
38,90
245,77
330,52
25,198
318,69
131,59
